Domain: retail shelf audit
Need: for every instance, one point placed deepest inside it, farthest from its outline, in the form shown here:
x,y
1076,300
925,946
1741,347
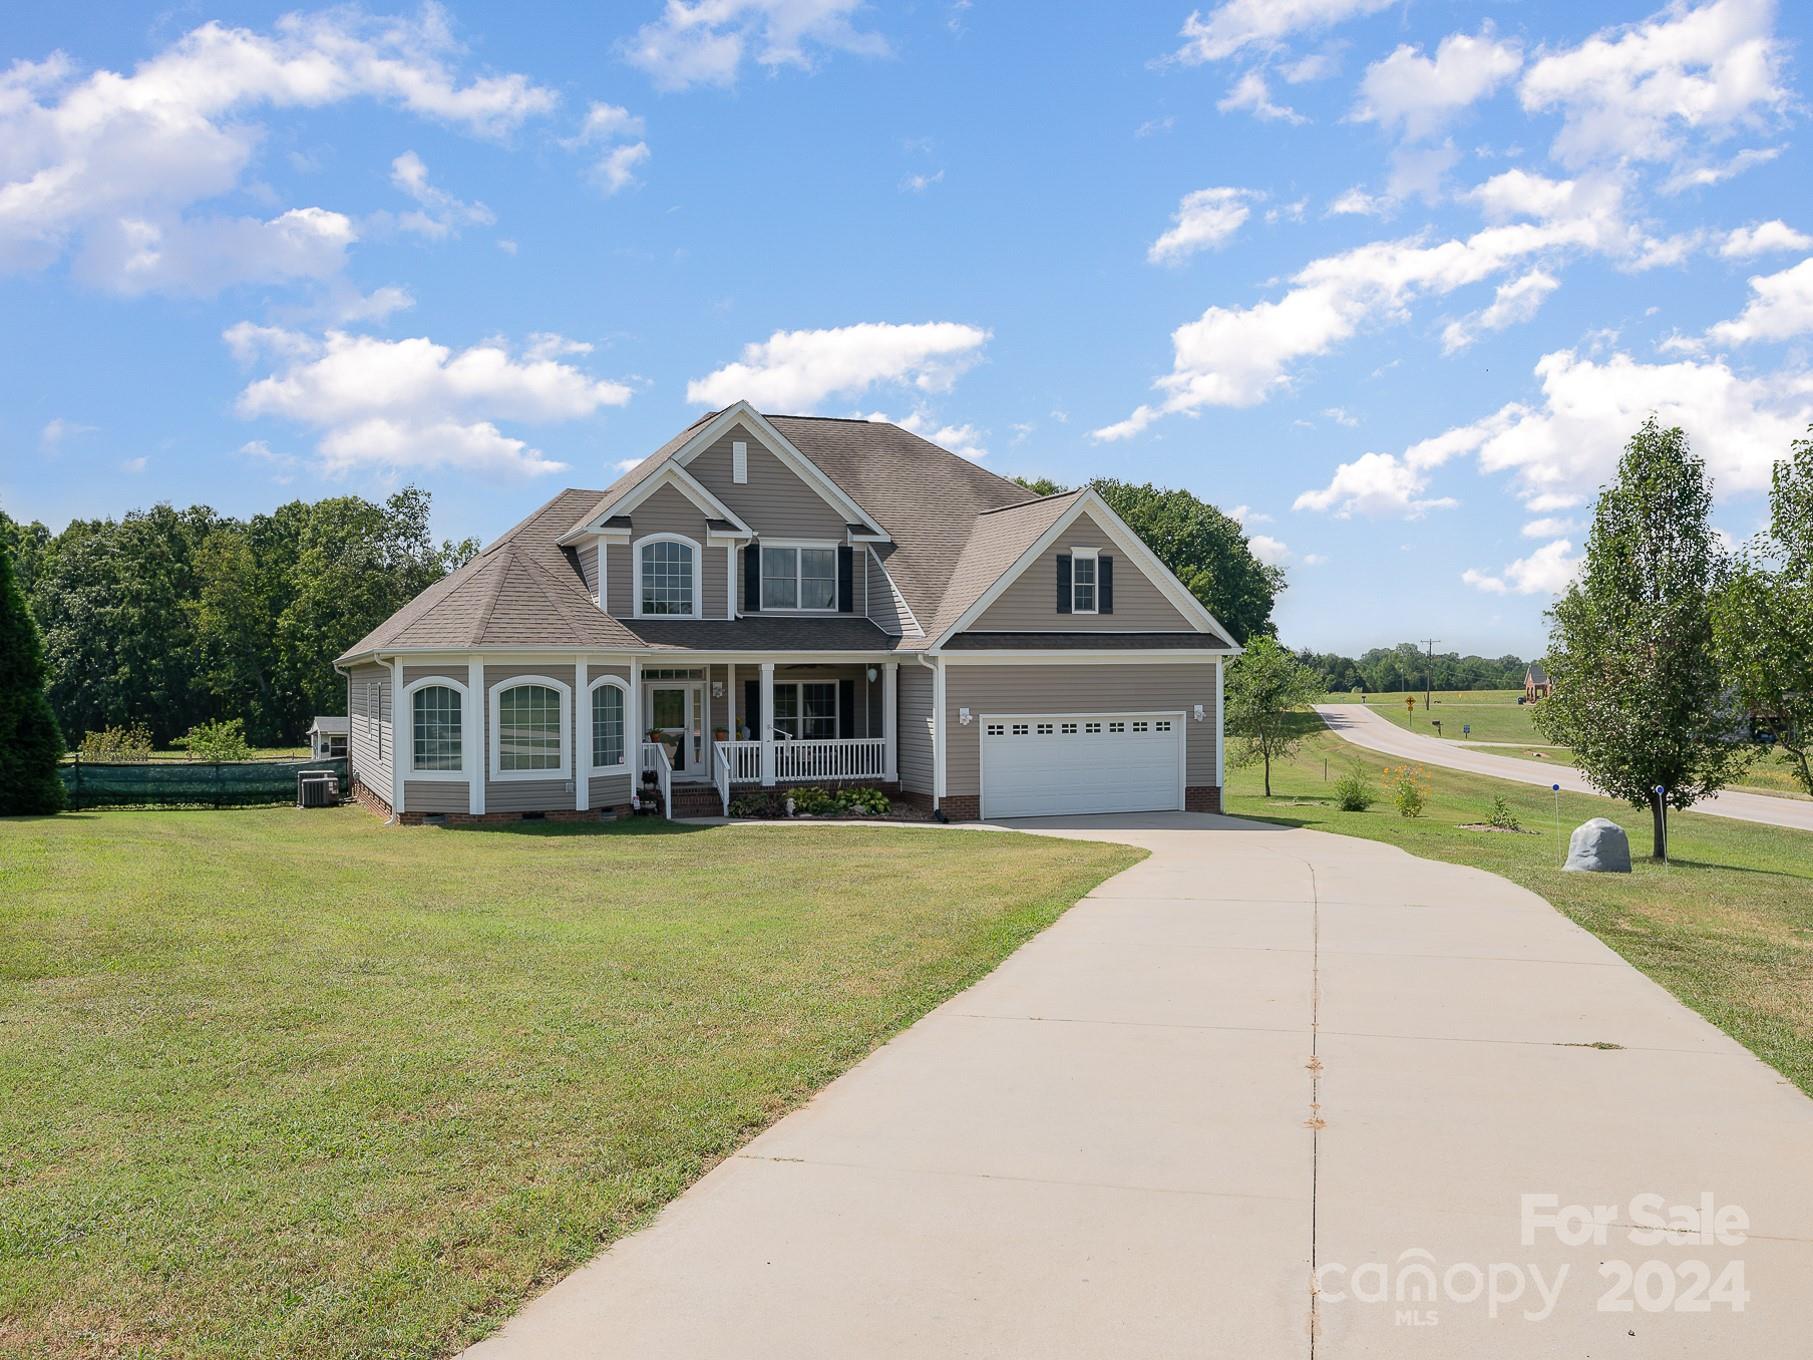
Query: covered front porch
x,y
755,723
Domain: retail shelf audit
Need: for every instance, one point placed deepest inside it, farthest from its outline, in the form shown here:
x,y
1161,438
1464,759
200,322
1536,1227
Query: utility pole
x,y
1429,674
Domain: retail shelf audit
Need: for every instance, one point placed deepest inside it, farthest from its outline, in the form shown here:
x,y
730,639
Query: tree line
x,y
1387,670
172,618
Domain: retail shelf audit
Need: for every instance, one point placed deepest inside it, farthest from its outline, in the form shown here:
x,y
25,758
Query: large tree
x,y
1205,548
1763,618
30,743
1266,692
1638,695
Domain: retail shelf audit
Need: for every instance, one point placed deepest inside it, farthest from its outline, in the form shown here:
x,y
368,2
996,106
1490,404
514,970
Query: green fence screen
x,y
189,783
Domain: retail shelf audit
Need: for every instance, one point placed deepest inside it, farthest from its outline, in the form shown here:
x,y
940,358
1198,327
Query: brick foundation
x,y
1202,798
366,797
961,807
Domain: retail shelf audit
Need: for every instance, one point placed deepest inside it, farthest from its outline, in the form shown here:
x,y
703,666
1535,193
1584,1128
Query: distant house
x,y
327,738
1536,683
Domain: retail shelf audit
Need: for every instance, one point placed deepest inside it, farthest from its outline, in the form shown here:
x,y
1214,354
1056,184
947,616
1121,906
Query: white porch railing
x,y
745,759
835,758
720,773
655,757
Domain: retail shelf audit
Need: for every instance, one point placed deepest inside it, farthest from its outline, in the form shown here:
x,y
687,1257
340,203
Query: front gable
x,y
772,499
1030,602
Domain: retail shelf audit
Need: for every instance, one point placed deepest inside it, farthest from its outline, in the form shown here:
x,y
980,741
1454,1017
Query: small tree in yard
x,y
1763,619
223,740
1637,691
1267,687
30,744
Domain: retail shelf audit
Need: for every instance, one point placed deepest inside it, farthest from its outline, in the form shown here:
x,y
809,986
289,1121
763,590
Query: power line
x,y
1429,674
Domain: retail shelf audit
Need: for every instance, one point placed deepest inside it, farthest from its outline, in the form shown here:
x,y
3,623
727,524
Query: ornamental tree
x,y
1267,689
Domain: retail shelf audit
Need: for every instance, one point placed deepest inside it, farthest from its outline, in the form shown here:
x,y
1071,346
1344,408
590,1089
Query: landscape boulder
x,y
1599,847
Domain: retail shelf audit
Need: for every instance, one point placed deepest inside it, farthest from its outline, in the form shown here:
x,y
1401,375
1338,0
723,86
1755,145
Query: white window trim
x,y
1095,585
698,576
762,544
463,775
629,725
498,773
799,704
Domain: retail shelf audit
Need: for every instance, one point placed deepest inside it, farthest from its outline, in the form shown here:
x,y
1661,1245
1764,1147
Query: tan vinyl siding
x,y
1030,604
436,795
1027,687
617,581
668,512
586,550
880,601
369,741
526,795
773,501
914,735
608,790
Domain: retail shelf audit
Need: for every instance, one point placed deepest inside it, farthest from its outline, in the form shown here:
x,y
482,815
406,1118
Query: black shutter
x,y
846,596
1104,584
1063,583
752,578
752,708
846,707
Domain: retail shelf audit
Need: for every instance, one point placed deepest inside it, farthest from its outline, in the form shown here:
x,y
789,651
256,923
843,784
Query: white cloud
x,y
1250,94
919,183
57,429
1550,526
1240,356
963,440
1560,451
135,466
1701,176
349,306
109,165
1238,24
1315,66
707,41
1375,484
415,404
440,213
619,133
1205,219
1416,96
797,370
1277,553
1634,92
1514,302
1356,202
1341,416
1762,239
1244,515
1780,306
1546,571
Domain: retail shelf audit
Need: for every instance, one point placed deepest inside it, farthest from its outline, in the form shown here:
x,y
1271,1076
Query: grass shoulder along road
x,y
295,1083
1727,926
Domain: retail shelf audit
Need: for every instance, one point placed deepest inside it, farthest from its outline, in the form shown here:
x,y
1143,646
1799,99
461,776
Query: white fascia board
x,y
689,486
782,448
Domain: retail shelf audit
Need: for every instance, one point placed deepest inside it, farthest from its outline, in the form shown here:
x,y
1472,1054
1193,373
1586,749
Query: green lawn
x,y
1493,714
1727,926
284,1083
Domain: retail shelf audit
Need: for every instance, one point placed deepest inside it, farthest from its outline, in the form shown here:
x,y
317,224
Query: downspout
x,y
937,670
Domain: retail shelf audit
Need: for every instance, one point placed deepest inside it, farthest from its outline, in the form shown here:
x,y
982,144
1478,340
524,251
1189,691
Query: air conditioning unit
x,y
317,788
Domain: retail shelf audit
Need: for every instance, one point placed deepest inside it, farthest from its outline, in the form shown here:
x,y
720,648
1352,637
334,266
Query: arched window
x,y
437,745
530,728
667,576
609,705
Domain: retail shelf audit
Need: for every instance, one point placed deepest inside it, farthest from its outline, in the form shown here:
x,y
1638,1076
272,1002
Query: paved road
x,y
1258,1054
1363,726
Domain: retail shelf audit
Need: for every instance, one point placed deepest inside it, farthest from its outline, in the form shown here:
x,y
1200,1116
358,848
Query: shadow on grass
x,y
626,826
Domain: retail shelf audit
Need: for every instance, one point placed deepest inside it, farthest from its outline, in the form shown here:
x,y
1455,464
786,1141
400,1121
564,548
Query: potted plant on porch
x,y
665,739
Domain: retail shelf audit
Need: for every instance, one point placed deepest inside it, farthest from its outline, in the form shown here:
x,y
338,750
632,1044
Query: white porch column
x,y
582,735
473,734
632,737
890,719
765,720
730,701
1220,754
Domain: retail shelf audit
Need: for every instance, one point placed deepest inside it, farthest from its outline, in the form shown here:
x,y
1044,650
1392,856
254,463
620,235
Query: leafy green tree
x,y
30,742
223,740
1638,694
1203,547
1267,690
1763,618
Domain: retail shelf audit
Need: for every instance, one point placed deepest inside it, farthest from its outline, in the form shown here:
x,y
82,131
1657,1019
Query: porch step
x,y
696,800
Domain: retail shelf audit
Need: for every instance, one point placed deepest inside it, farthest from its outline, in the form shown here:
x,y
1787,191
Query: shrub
x,y
760,805
812,801
1354,792
1501,815
225,740
118,745
866,802
1410,789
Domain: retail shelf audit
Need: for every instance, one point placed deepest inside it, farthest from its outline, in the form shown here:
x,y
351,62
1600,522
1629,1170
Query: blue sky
x,y
1392,281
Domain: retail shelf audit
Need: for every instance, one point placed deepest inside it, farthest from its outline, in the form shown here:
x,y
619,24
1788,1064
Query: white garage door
x,y
1049,764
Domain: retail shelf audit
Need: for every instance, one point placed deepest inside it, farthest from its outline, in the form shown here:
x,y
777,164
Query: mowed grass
x,y
1727,926
284,1083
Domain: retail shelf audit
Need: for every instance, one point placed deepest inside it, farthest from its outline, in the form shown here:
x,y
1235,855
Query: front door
x,y
676,709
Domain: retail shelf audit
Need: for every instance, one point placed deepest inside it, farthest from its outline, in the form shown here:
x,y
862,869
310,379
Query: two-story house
x,y
767,601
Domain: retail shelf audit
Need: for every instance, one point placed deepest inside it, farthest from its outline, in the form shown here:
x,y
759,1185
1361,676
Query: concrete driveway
x,y
1260,1058
1364,727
